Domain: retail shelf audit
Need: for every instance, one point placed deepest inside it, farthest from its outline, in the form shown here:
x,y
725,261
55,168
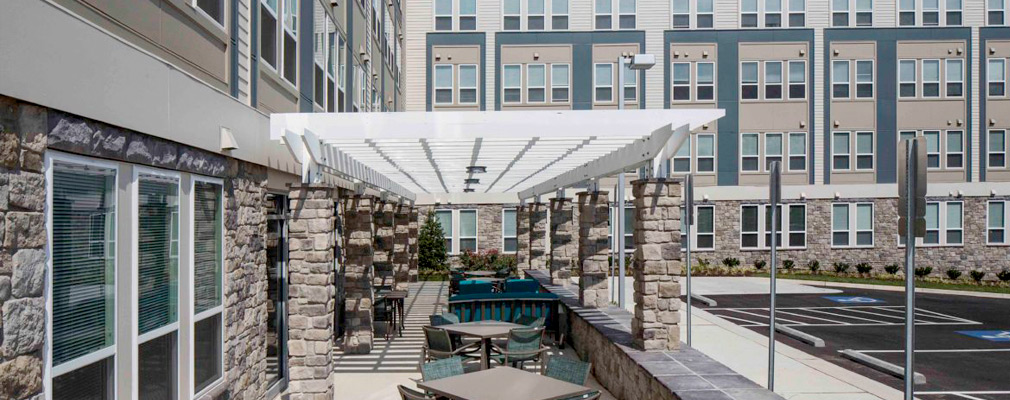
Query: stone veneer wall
x,y
357,279
383,217
564,240
523,237
489,224
401,247
26,132
23,130
656,264
594,249
974,254
538,235
412,231
311,295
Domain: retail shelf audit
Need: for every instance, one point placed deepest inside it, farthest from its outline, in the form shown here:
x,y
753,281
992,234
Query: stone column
x,y
358,292
401,247
563,245
657,264
594,249
523,237
412,231
312,295
383,223
538,235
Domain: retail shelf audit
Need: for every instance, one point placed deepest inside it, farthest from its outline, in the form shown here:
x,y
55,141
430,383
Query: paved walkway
x,y
394,362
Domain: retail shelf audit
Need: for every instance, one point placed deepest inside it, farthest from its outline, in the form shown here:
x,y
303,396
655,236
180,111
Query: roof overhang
x,y
526,153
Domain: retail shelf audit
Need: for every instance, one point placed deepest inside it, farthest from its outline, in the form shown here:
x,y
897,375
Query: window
x,y
682,158
906,12
932,149
773,149
944,223
906,78
929,12
756,226
290,45
213,9
560,86
749,152
512,88
773,13
864,79
443,84
840,79
705,85
559,14
627,10
208,258
769,13
604,10
703,235
953,14
83,256
443,15
749,80
681,81
773,80
629,228
277,267
467,230
996,73
797,80
704,14
444,218
955,149
512,15
603,87
840,150
955,78
341,72
839,13
630,83
467,15
797,151
706,152
268,32
749,14
468,84
536,83
681,14
510,240
864,150
996,222
157,277
852,225
797,16
997,148
535,15
930,78
996,12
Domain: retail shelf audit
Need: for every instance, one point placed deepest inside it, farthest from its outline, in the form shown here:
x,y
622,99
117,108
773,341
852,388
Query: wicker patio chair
x,y
531,321
443,319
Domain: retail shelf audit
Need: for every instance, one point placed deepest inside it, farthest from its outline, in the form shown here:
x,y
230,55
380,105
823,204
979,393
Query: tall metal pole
x,y
774,196
910,235
613,248
689,215
621,61
619,233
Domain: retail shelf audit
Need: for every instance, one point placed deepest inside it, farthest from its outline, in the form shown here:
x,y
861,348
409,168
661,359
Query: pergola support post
x,y
657,264
523,237
594,249
412,249
563,245
538,235
312,293
358,291
383,220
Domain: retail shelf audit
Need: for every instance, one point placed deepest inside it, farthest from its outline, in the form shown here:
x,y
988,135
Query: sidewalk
x,y
798,375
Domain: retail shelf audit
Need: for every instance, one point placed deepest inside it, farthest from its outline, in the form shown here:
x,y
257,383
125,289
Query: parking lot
x,y
962,342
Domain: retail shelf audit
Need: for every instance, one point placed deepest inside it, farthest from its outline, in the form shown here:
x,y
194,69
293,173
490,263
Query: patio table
x,y
480,273
485,331
503,383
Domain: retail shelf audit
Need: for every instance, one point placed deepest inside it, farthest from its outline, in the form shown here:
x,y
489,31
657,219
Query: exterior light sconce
x,y
960,193
992,50
959,51
704,54
704,126
992,121
476,169
992,192
803,52
949,122
536,56
467,190
838,195
960,122
837,124
837,52
438,56
686,55
704,197
803,124
471,181
228,141
803,195
676,54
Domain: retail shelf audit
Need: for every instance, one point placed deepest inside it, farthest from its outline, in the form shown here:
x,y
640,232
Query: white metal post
x,y
689,215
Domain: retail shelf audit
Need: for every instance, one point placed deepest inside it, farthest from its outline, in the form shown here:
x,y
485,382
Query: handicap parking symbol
x,y
853,299
992,336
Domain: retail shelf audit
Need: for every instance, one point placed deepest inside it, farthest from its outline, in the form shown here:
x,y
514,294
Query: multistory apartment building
x,y
827,87
142,202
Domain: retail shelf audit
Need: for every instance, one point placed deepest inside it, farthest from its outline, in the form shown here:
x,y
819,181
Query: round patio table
x,y
503,383
480,273
485,331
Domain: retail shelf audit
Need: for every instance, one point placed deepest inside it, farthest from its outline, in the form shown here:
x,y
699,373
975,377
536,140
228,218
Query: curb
x,y
801,336
882,366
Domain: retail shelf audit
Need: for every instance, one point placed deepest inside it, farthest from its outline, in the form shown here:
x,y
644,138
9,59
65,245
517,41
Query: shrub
x,y
760,264
814,266
432,255
1004,275
863,268
977,275
953,274
922,272
488,260
731,262
788,265
841,267
892,269
704,264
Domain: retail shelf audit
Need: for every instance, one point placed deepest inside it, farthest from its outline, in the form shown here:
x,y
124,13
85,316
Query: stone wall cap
x,y
671,179
594,193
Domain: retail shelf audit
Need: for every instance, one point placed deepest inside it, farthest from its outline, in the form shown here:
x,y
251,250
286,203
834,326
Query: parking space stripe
x,y
765,316
839,316
813,317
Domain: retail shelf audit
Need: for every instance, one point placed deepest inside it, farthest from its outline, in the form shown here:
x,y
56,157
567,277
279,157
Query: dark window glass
x,y
318,84
906,18
995,18
213,8
749,21
535,23
953,18
207,352
290,59
157,366
92,382
840,91
773,20
559,22
443,23
603,22
705,21
512,23
796,20
467,23
268,37
627,22
840,19
681,21
864,19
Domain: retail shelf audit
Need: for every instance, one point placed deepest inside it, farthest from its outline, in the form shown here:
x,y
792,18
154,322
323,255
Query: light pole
x,y
636,62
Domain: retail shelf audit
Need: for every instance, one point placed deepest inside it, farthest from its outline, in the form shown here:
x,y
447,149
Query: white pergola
x,y
526,153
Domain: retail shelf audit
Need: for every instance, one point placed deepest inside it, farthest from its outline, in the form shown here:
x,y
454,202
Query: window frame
x,y
621,14
872,82
451,248
836,81
567,86
989,79
698,157
923,82
529,86
530,15
914,82
989,227
505,86
698,84
788,79
1002,13
458,15
458,233
674,84
761,14
852,13
946,78
852,229
597,85
856,154
765,85
947,152
919,11
284,30
1000,152
695,233
837,154
788,157
435,86
224,13
195,318
505,15
756,156
475,87
597,14
756,83
763,231
452,16
504,237
553,15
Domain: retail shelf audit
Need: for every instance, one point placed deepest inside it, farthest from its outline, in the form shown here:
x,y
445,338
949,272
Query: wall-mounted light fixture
x,y
228,141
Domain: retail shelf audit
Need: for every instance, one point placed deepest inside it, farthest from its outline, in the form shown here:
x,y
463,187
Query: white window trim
x,y
503,235
529,86
698,156
567,86
529,14
611,86
765,84
694,230
451,236
853,15
756,83
942,225
453,10
504,86
691,78
988,10
458,17
783,149
856,153
758,155
277,46
836,153
1005,205
622,14
137,338
475,87
50,372
919,10
522,22
191,309
457,232
787,93
614,23
914,81
690,143
224,14
549,18
836,79
629,242
436,88
784,13
989,80
946,81
697,83
788,149
853,226
872,82
282,4
784,231
922,78
989,151
946,151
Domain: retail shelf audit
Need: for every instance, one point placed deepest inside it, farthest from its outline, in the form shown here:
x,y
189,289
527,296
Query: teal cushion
x,y
522,286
